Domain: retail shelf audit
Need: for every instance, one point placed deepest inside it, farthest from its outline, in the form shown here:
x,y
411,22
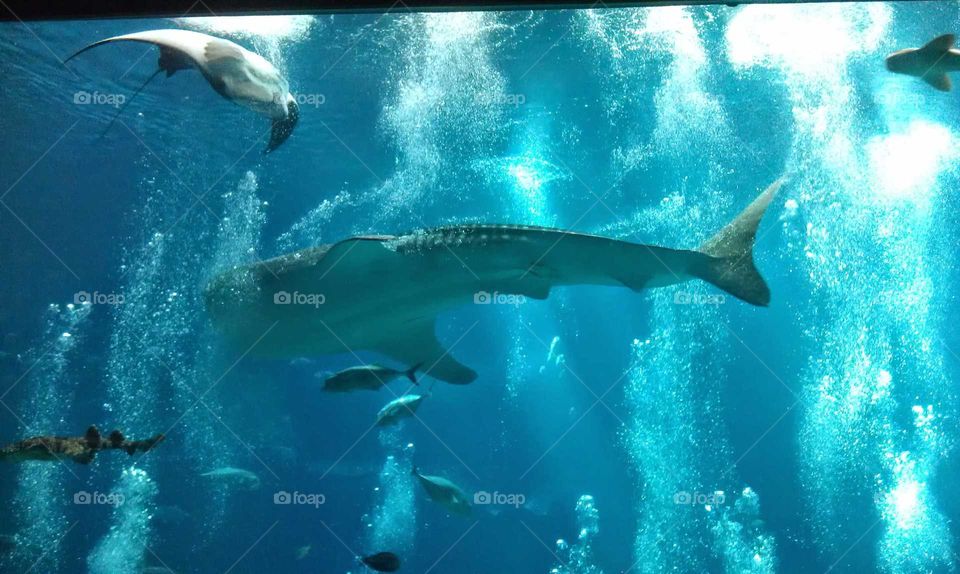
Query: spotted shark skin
x,y
384,293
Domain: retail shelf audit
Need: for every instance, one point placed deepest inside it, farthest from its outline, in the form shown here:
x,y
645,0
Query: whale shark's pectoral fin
x,y
531,285
536,290
938,81
419,344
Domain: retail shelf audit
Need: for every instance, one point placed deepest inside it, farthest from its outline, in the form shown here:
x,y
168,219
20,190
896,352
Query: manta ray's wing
x,y
186,45
420,345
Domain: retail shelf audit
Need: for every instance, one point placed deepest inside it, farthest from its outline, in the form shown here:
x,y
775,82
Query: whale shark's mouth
x,y
283,128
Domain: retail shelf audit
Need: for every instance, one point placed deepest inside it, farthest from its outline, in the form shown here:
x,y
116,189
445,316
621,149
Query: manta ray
x,y
384,293
930,63
236,73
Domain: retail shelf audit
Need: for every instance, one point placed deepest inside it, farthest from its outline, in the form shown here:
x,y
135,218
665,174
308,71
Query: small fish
x,y
444,492
304,551
382,562
366,377
243,479
399,408
929,63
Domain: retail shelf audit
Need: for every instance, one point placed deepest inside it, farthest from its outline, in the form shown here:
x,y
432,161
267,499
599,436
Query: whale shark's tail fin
x,y
730,265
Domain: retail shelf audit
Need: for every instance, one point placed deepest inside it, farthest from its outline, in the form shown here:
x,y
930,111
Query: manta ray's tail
x,y
124,105
730,266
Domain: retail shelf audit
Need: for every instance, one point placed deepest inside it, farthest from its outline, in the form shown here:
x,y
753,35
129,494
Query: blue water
x,y
641,435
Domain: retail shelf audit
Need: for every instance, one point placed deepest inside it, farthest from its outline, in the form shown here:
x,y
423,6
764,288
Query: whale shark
x,y
384,293
929,63
234,72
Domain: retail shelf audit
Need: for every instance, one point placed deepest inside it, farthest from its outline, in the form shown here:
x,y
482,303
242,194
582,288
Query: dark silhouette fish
x,y
366,377
929,63
383,562
445,492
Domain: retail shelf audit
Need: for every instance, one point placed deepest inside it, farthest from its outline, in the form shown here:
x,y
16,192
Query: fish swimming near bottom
x,y
399,409
382,561
243,479
384,293
445,492
929,63
366,377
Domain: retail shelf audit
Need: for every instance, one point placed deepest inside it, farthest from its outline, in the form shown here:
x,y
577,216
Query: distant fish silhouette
x,y
303,552
237,74
929,63
383,562
238,477
366,377
445,492
399,409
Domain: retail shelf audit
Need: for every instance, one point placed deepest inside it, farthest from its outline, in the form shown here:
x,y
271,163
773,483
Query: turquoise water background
x,y
642,433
